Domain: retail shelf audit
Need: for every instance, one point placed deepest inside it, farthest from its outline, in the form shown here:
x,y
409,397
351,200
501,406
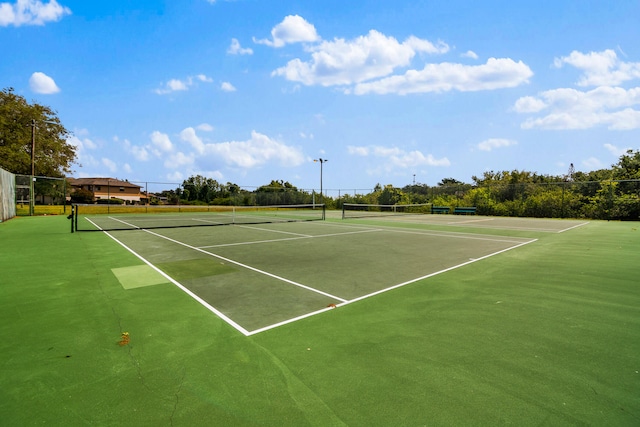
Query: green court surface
x,y
403,320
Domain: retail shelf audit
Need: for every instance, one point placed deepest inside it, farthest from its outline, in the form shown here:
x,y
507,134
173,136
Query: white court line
x,y
223,245
208,221
248,267
438,233
494,227
273,231
287,239
116,219
571,228
164,220
471,220
465,236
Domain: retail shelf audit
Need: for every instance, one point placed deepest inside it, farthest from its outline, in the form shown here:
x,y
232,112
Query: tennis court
x,y
438,321
257,276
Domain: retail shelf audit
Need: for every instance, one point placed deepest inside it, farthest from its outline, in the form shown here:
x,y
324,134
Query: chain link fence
x,y
569,199
47,195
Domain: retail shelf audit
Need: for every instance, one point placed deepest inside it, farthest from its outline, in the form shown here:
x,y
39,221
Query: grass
x,y
548,334
23,209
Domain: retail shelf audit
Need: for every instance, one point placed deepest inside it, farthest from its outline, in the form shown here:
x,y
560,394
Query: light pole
x,y
322,161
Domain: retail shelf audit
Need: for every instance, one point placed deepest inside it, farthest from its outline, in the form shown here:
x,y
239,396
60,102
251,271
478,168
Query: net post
x,y
72,219
76,218
324,210
343,210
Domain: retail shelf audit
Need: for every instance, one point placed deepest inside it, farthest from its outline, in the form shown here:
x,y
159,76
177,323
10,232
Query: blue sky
x,y
389,92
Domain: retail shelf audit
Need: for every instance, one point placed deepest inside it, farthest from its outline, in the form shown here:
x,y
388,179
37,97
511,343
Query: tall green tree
x,y
392,196
19,122
628,167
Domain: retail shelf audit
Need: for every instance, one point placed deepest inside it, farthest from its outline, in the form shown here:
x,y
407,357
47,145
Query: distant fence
x,y
608,199
7,195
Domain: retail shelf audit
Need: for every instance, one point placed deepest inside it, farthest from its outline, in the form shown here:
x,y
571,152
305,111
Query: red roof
x,y
112,182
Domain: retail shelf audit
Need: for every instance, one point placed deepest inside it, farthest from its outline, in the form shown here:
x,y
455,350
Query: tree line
x,y
612,193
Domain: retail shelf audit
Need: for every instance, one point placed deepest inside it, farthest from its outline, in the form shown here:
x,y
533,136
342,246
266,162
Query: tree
x,y
280,193
202,189
628,167
449,181
392,196
53,155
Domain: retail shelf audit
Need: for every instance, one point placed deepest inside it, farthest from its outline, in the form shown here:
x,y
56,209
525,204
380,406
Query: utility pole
x,y
33,167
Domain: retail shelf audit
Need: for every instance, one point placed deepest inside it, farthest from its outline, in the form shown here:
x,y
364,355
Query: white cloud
x,y
204,78
31,12
492,143
43,84
397,157
568,108
259,149
127,168
175,176
341,62
469,54
172,85
175,85
189,135
366,64
529,104
358,151
615,150
81,144
139,153
600,68
293,29
205,127
109,164
179,160
236,49
161,141
592,163
416,158
425,46
497,73
227,87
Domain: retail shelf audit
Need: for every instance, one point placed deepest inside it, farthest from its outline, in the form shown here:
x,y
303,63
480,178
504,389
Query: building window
x,y
121,188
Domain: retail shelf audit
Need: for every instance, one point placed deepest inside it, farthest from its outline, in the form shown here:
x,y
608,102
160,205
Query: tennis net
x,y
132,217
361,210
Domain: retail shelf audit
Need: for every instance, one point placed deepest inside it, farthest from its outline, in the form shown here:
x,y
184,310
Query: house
x,y
109,188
